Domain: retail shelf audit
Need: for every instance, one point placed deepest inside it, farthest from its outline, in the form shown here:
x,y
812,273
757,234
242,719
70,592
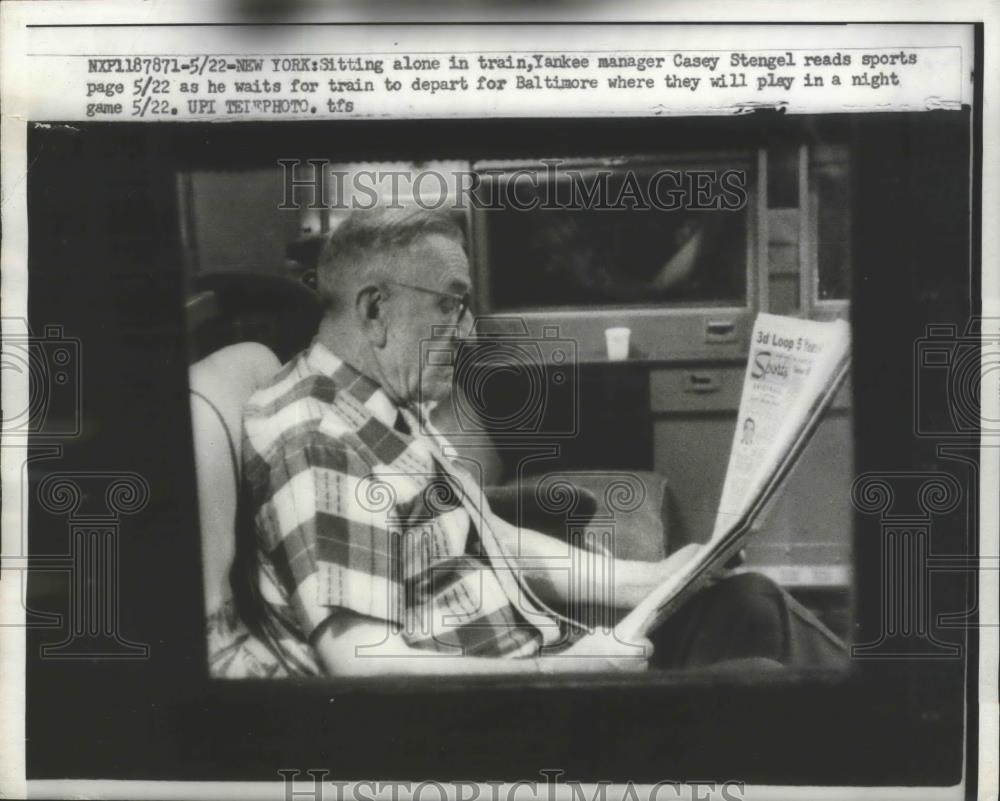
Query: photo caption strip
x,y
631,71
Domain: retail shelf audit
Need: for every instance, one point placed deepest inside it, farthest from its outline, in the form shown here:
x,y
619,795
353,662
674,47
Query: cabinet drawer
x,y
696,389
710,389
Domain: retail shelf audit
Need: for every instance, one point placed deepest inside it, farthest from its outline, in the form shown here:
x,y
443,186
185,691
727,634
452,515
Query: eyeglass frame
x,y
464,301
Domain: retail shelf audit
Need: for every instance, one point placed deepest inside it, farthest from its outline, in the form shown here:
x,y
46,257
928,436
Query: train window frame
x,y
814,306
659,333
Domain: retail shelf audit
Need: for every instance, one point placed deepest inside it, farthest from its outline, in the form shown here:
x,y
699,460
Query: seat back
x,y
220,386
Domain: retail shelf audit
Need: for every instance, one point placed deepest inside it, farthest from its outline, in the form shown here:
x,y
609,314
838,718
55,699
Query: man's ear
x,y
371,309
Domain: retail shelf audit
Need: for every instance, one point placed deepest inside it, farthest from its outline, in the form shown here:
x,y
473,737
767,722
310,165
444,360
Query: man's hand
x,y
665,568
600,653
635,580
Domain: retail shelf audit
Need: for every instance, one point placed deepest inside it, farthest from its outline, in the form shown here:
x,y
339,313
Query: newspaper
x,y
793,370
790,362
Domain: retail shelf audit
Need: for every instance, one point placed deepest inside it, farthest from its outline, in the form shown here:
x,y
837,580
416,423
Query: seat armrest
x,y
520,503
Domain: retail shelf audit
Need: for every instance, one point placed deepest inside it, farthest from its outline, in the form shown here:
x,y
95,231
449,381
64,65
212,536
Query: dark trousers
x,y
740,619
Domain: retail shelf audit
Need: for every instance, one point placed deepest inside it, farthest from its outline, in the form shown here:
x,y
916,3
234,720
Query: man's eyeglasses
x,y
459,303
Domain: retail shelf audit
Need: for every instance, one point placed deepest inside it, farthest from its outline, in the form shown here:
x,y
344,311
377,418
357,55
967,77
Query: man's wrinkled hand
x,y
600,653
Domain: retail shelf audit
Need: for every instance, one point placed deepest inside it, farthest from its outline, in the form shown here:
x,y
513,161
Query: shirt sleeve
x,y
326,526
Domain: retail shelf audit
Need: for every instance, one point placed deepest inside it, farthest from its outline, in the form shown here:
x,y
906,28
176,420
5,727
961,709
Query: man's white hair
x,y
359,249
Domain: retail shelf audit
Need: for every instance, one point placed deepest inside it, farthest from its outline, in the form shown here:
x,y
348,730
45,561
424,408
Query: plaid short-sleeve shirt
x,y
353,514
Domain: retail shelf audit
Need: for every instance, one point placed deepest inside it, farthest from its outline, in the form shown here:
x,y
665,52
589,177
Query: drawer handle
x,y
702,383
720,330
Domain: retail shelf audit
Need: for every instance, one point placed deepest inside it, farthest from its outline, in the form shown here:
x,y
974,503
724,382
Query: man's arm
x,y
547,564
353,645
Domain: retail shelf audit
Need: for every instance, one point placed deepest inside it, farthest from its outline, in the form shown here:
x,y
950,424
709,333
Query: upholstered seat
x,y
220,386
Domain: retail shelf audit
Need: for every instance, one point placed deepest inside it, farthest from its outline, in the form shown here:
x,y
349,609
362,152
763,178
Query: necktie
x,y
401,425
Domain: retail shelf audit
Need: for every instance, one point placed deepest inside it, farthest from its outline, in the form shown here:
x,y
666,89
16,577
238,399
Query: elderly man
x,y
376,551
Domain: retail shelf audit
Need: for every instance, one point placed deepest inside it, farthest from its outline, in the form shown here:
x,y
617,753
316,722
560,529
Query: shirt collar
x,y
323,360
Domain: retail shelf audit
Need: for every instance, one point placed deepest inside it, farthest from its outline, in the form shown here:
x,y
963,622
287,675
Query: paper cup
x,y
617,340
